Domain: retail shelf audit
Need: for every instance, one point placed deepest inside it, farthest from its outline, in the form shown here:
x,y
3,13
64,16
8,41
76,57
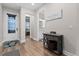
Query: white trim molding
x,y
35,39
23,41
68,53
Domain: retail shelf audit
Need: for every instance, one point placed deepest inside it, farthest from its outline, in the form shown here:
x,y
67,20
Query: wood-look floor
x,y
34,48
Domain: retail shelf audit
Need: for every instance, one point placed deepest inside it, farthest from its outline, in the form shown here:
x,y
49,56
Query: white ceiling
x,y
17,6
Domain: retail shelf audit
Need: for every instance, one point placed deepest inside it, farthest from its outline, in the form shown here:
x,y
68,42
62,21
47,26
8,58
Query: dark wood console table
x,y
53,42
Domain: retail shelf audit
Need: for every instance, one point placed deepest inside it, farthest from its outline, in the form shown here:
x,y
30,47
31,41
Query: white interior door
x,y
10,26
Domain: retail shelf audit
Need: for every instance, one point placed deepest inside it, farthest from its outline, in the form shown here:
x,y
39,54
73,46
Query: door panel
x,y
10,26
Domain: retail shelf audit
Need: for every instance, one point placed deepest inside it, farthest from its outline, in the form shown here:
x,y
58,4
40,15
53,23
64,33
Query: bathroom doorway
x,y
27,26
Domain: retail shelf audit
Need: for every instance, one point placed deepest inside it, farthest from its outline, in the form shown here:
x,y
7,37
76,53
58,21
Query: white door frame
x,y
5,24
31,24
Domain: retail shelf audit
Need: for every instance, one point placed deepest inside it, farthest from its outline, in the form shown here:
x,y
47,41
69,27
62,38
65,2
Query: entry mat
x,y
12,53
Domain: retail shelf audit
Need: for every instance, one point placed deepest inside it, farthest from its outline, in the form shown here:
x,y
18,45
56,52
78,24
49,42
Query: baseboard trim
x,y
35,39
0,44
68,53
22,41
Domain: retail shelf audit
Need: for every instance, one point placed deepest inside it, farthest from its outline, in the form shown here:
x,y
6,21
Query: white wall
x,y
1,34
39,30
77,29
68,26
36,26
32,27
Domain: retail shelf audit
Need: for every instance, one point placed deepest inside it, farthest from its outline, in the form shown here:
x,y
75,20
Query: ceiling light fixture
x,y
33,4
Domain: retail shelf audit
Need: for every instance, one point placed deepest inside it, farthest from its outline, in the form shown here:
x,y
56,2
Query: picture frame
x,y
55,15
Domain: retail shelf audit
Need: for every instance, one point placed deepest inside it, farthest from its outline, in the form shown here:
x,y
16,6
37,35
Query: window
x,y
11,23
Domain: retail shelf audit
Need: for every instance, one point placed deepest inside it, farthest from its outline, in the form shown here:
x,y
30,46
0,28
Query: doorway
x,y
27,26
